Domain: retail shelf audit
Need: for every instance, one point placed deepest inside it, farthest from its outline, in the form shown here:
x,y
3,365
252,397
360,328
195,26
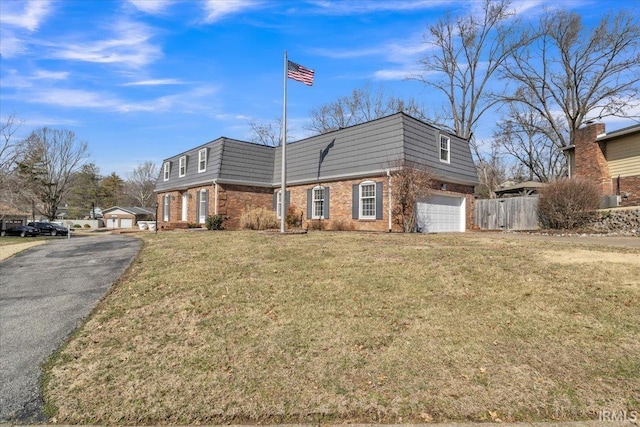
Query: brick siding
x,y
590,160
630,186
233,200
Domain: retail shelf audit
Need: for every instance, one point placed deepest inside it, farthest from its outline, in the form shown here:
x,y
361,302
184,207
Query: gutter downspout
x,y
215,197
390,198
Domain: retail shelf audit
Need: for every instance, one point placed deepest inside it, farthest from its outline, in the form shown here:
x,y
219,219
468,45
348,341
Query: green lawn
x,y
238,327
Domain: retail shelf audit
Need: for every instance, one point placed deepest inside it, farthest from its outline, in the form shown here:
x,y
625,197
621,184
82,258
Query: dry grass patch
x,y
232,327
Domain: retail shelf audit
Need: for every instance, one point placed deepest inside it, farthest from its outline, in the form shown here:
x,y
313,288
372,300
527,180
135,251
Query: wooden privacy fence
x,y
513,213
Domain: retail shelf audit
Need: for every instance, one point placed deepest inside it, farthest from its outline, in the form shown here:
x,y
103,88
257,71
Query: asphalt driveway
x,y
45,292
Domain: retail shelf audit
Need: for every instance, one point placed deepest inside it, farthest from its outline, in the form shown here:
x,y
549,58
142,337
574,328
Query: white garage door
x,y
439,214
126,223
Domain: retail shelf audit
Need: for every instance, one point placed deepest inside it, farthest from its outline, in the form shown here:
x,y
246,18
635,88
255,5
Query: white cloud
x,y
25,14
11,45
353,7
155,82
152,7
74,98
400,74
50,75
130,46
216,9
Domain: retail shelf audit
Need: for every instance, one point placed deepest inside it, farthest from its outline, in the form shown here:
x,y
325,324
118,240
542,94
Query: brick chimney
x,y
590,160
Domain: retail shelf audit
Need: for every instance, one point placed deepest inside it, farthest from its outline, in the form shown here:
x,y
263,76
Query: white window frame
x,y
279,204
202,160
166,170
318,202
445,149
185,206
362,198
202,201
166,205
182,166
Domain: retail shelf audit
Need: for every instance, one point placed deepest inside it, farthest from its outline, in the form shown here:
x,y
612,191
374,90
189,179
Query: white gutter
x,y
215,197
390,199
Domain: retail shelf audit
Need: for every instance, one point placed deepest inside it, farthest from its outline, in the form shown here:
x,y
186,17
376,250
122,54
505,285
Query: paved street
x,y
45,292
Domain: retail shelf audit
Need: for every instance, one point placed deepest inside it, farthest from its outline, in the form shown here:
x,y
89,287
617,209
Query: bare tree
x,y
8,144
524,135
47,160
492,171
410,181
140,184
364,104
468,51
570,72
9,186
265,133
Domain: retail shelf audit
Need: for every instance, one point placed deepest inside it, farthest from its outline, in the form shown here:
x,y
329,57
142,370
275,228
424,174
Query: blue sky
x,y
143,80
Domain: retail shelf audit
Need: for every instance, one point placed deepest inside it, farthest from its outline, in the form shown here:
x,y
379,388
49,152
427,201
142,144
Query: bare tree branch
x,y
570,73
47,160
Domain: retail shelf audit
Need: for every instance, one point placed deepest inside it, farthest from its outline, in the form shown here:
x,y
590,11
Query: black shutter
x,y
198,195
379,200
326,202
309,203
206,204
355,208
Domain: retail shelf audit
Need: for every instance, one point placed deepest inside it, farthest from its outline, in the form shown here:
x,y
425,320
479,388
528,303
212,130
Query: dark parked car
x,y
22,231
49,228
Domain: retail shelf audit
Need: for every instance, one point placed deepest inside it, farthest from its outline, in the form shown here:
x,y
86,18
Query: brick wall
x,y
590,160
234,199
631,186
340,215
340,206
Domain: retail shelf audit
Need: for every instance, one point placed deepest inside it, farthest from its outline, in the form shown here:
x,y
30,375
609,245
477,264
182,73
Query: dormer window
x,y
202,160
166,170
182,166
445,151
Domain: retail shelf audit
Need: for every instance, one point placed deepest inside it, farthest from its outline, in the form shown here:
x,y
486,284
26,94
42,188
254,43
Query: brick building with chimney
x,y
610,160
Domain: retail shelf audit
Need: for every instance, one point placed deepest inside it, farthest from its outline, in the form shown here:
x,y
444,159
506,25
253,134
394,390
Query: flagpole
x,y
283,184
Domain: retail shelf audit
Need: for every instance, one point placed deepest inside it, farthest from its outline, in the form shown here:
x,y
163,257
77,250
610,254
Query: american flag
x,y
300,73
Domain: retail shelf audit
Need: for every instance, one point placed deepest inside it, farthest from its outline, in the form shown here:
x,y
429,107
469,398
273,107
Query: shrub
x,y
85,226
316,224
77,226
567,203
293,218
193,225
215,222
341,225
259,218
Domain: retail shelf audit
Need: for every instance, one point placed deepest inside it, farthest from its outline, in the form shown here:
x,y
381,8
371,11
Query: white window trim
x,y
166,206
202,157
361,198
202,201
182,166
448,149
166,170
314,200
185,206
279,203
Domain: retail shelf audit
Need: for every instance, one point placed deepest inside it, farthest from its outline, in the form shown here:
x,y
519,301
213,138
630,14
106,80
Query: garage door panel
x,y
440,214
